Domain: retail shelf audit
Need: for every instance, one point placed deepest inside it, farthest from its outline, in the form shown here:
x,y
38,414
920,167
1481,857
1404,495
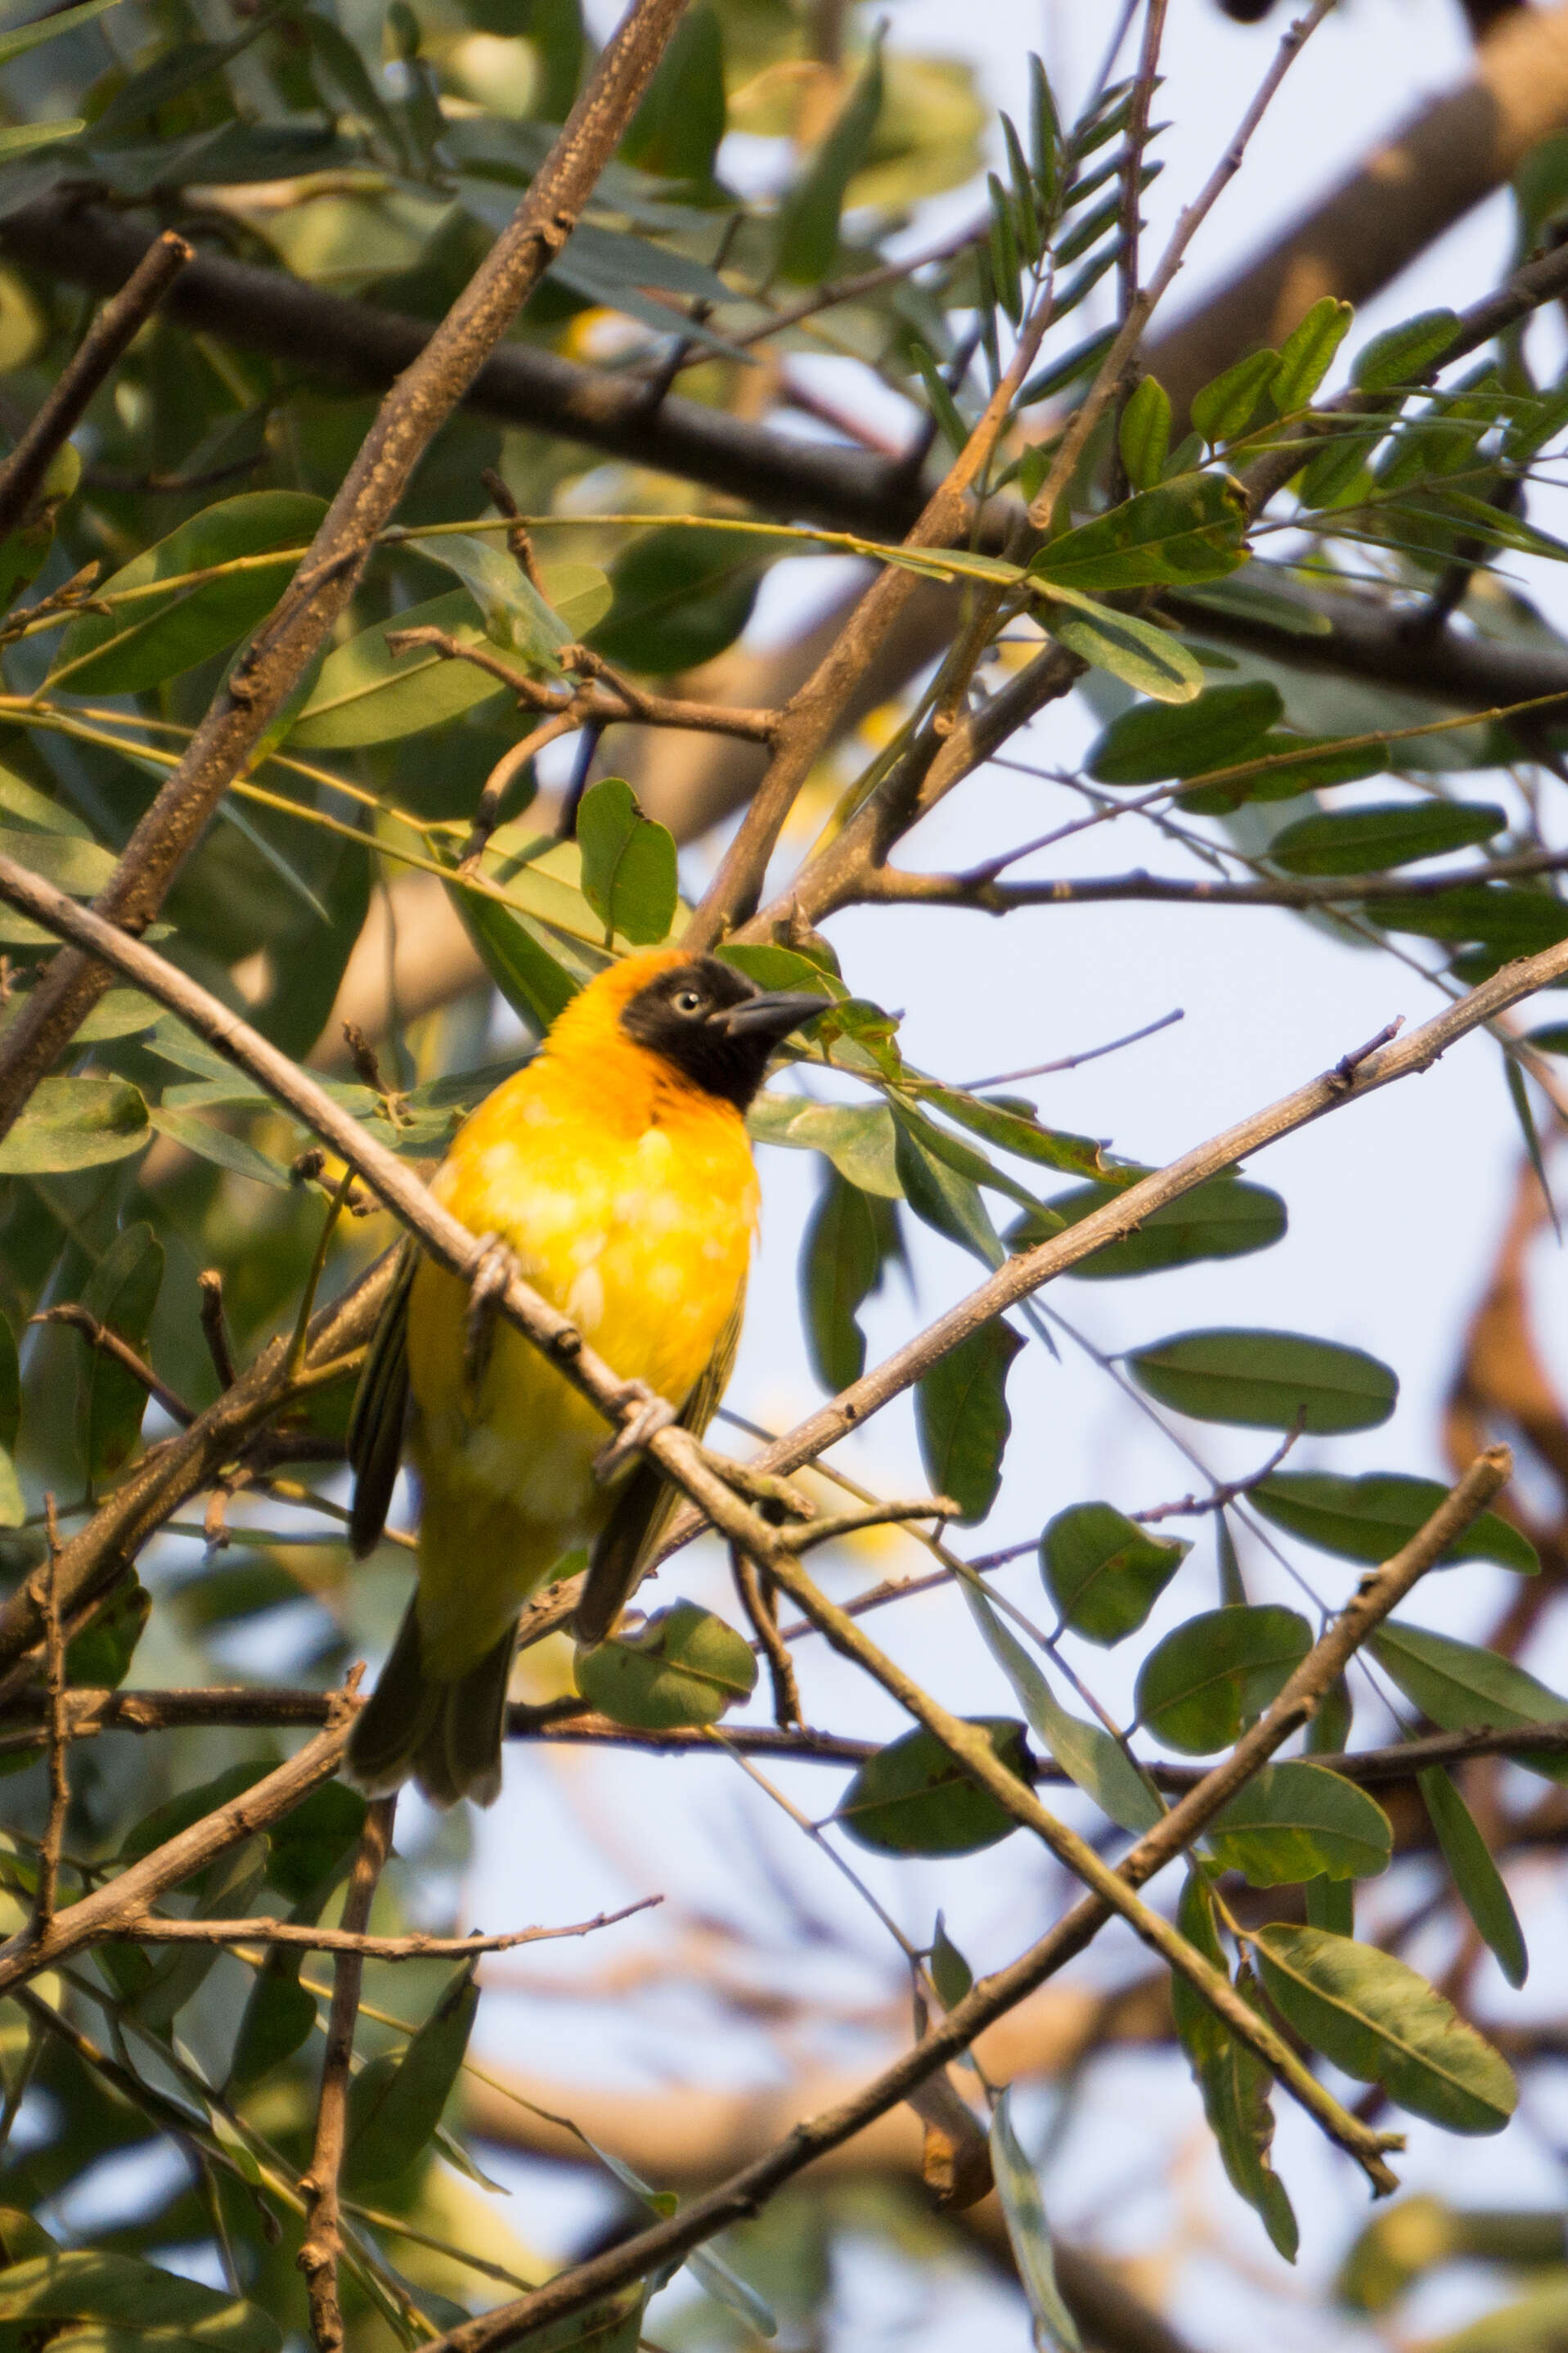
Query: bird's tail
x,y
447,1736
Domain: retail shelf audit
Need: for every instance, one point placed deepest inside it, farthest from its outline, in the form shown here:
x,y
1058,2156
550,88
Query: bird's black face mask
x,y
717,1028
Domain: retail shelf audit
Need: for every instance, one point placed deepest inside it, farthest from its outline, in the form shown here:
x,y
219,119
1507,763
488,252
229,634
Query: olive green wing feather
x,y
648,1502
380,1410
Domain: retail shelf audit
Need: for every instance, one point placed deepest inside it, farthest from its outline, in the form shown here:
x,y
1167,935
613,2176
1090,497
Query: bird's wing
x,y
645,1504
380,1410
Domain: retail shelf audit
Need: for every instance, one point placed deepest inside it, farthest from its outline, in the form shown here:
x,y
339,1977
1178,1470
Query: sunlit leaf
x,y
628,865
684,1666
1295,1821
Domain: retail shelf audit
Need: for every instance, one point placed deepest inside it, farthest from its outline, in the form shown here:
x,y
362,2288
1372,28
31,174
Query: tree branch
x,y
318,2255
147,1928
109,335
276,657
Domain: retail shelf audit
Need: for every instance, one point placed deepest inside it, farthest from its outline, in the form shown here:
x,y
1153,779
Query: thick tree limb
x,y
412,414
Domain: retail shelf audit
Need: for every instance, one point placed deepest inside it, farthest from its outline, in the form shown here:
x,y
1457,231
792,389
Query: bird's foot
x,y
652,1414
775,1499
491,1275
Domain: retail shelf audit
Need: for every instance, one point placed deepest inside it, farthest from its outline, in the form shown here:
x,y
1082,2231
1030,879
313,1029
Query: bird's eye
x,y
689,1000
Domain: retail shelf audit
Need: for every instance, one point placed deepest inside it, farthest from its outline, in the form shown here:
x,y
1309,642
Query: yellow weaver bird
x,y
616,1171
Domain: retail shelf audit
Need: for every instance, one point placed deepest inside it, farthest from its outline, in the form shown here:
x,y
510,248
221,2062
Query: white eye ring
x,y
687,1001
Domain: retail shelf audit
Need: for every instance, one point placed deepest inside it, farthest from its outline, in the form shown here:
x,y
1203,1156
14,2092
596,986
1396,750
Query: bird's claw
x,y
494,1270
653,1414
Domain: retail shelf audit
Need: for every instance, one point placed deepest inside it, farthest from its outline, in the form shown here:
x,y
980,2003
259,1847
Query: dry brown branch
x,y
147,1928
811,2138
322,2247
276,657
105,1910
760,1606
106,341
215,1331
58,1735
109,1344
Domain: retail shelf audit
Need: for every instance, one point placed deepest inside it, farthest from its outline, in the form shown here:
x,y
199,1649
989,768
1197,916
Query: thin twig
x,y
760,1603
322,2246
147,1928
109,335
1071,1062
214,1330
109,1344
1222,1496
58,1735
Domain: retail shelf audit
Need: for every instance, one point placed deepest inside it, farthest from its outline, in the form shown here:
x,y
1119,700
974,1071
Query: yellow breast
x,y
630,1202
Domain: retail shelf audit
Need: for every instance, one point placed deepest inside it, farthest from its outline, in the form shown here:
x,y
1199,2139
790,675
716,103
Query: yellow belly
x,y
637,1223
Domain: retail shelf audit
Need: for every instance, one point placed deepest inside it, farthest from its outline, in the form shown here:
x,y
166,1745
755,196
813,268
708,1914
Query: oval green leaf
x,y
1382,2023
1369,1518
1190,527
1226,1219
368,694
915,1798
1481,1887
1104,1572
394,2105
683,1667
1150,743
1266,1380
1207,1680
1395,833
1464,1689
628,865
150,638
960,1412
1297,1821
75,1123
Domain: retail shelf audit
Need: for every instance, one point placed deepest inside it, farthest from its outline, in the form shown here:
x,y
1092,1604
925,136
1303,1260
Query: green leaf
x,y
1143,436
1030,2233
177,1813
23,38
1225,408
1266,1380
1404,354
946,1197
1330,1903
75,1123
1308,352
309,1847
368,694
1192,528
915,1798
280,2018
1132,650
950,1972
1009,1123
1464,1689
1150,743
943,408
1481,1887
1301,764
684,1666
857,1138
807,235
516,616
628,865
1382,2023
1201,1686
960,1411
395,2105
1103,1572
848,1242
1087,1753
1369,1518
223,1150
537,972
676,130
13,1503
681,596
1233,2081
132,2299
149,638
78,868
122,1292
98,1658
1296,1821
1395,833
1224,1219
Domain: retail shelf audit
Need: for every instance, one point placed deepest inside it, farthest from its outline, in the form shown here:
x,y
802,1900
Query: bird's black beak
x,y
771,1013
